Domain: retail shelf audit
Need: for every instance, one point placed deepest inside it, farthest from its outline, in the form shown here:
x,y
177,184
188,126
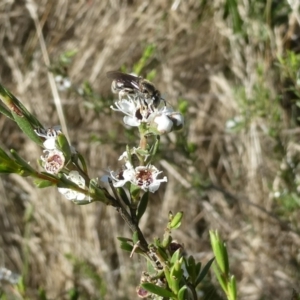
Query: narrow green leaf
x,y
82,161
176,276
154,149
190,266
168,276
176,256
157,242
204,271
162,253
135,191
42,294
218,249
142,205
127,247
17,107
166,241
27,128
97,193
82,202
6,112
232,290
64,146
151,269
25,120
124,239
157,290
8,165
41,183
176,221
197,269
135,237
225,258
220,277
174,285
26,166
182,292
123,196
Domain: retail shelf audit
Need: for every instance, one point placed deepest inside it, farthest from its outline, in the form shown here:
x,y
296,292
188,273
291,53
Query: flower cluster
x,y
138,111
141,104
53,161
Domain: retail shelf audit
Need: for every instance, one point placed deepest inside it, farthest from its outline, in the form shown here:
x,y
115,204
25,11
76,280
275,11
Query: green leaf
x,y
166,241
82,202
135,237
220,252
41,183
157,290
127,247
190,265
124,239
24,164
176,274
82,161
123,196
9,165
135,192
25,120
162,253
27,128
181,293
168,275
225,258
64,146
4,155
176,221
147,54
42,294
220,277
150,267
97,193
155,147
176,256
183,106
204,272
232,290
6,112
142,205
175,277
73,294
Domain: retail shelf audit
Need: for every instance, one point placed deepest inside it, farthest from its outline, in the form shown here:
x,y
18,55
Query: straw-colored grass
x,y
226,184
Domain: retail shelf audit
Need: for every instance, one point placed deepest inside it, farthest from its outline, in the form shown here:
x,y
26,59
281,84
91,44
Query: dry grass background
x,y
199,58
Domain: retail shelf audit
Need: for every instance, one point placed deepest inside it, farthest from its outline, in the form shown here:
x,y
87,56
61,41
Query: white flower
x,y
135,111
50,135
124,156
53,160
166,120
164,123
143,176
62,83
177,119
8,275
234,122
71,194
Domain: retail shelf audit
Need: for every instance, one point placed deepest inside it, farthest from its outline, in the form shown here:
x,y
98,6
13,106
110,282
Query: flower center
x,y
144,177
